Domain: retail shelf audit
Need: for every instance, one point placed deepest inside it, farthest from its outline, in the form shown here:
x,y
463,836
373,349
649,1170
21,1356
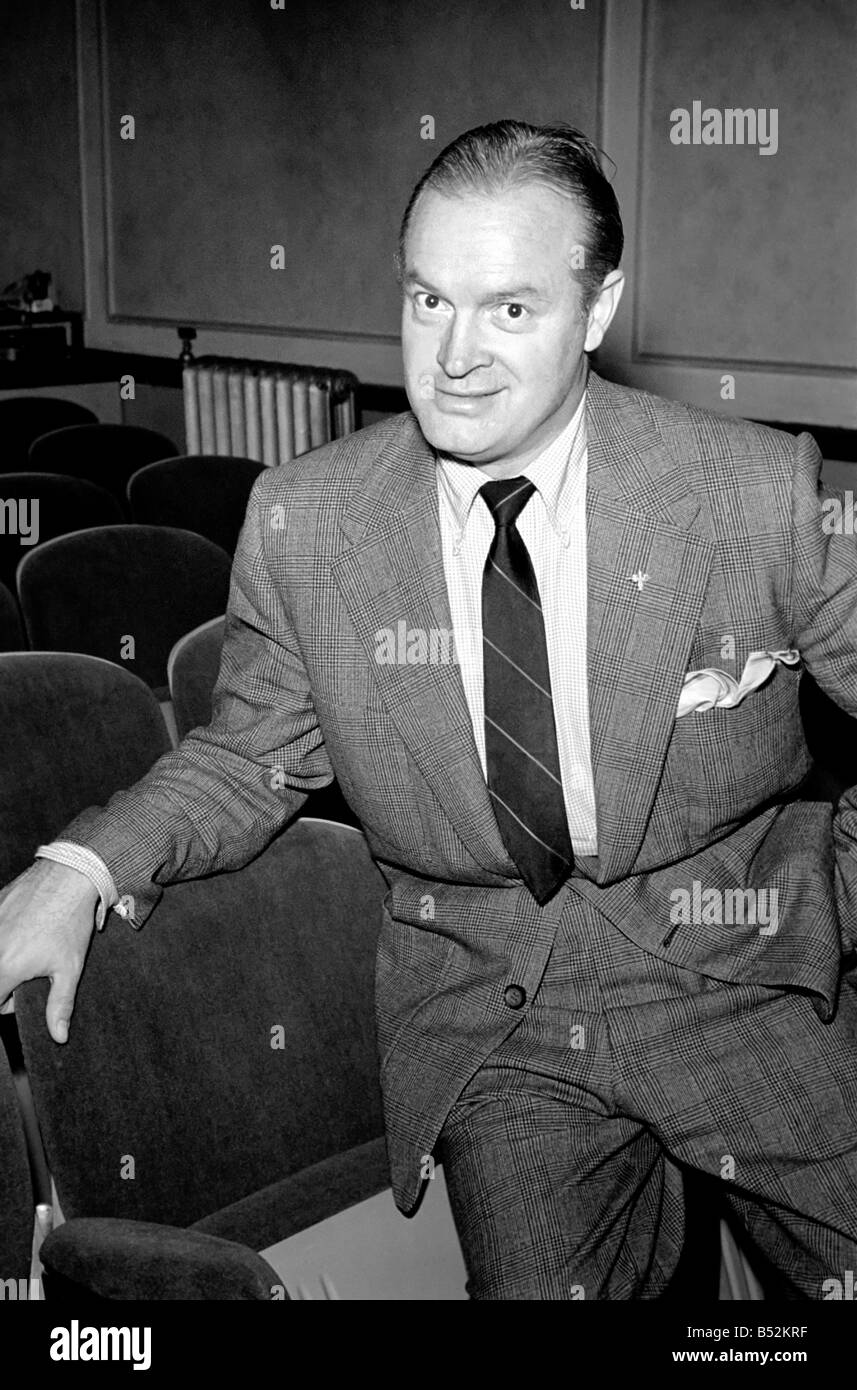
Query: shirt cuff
x,y
87,862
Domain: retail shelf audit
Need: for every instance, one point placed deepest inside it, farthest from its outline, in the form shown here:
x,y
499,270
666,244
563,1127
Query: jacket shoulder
x,y
725,459
331,472
709,430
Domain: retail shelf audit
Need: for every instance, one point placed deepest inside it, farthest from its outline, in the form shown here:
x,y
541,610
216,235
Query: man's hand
x,y
47,917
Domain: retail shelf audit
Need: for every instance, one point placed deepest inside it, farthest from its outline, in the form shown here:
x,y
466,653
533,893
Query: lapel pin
x,y
639,579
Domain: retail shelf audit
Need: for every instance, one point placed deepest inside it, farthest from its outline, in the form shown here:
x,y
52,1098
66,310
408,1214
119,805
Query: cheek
x,y
419,364
537,366
419,345
548,363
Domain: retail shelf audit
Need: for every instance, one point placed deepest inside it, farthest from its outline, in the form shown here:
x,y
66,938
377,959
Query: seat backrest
x,y
25,418
125,593
74,730
16,1189
12,638
39,506
226,1046
103,454
192,670
199,492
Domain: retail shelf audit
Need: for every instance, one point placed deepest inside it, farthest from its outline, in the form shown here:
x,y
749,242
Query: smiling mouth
x,y
467,395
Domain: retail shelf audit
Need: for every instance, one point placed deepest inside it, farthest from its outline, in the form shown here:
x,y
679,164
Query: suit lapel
x,y
638,518
639,632
390,573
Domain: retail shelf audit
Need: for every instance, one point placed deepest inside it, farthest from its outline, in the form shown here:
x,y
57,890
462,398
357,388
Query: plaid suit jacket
x,y
724,518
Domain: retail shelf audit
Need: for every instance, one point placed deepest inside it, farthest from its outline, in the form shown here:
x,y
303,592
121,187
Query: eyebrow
x,y
503,296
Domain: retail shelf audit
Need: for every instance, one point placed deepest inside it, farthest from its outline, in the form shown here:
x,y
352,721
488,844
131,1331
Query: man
x,y
610,942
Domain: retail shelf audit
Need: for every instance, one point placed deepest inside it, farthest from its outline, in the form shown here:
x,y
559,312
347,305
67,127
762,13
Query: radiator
x,y
268,411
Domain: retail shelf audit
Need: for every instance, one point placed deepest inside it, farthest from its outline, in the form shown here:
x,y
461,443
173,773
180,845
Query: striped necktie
x,y
522,758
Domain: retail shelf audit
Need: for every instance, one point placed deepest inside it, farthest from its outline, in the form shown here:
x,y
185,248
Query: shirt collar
x,y
557,472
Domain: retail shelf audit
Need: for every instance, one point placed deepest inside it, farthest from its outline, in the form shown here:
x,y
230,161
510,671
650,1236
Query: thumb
x,y
60,1004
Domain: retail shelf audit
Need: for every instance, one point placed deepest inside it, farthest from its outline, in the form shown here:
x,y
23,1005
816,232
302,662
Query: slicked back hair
x,y
509,154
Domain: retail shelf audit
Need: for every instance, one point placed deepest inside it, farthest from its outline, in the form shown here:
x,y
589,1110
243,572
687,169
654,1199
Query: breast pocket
x,y
729,761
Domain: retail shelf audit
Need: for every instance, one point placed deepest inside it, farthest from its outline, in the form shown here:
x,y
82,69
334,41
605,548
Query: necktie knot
x,y
506,498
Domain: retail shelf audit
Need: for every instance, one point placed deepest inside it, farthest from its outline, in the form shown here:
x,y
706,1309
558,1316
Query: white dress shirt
x,y
552,525
87,862
553,528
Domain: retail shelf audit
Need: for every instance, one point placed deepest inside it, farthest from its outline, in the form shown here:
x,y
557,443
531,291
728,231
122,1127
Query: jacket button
x,y
515,996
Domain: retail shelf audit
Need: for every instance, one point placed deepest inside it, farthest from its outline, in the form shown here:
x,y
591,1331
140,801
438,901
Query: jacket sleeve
x,y
217,800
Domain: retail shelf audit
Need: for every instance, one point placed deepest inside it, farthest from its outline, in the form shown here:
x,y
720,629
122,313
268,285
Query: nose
x,y
460,351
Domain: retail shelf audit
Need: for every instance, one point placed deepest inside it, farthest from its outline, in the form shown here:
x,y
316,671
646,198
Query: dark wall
x,y
40,205
301,127
766,241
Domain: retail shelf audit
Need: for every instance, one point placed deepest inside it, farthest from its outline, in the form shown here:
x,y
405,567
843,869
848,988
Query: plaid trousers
x,y
558,1155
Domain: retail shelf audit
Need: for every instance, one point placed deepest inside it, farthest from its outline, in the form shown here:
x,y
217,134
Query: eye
x,y
428,301
513,312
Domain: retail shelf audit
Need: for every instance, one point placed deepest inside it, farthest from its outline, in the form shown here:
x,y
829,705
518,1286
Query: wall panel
x,y
765,241
40,209
302,127
740,265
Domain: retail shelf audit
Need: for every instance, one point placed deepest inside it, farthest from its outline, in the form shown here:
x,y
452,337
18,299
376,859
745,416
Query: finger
x,y
60,1005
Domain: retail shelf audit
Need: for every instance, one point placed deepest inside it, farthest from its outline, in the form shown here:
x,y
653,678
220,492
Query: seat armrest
x,y
103,1258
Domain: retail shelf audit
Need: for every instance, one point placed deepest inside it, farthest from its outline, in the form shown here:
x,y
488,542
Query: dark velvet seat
x,y
221,1076
74,730
104,589
106,455
200,493
192,674
88,1262
12,637
24,418
192,669
17,1199
64,505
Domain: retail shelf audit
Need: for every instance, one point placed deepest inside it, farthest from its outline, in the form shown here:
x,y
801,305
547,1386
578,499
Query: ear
x,y
602,309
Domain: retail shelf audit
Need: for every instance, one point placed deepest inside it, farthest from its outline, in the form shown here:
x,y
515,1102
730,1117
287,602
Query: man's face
x,y
493,335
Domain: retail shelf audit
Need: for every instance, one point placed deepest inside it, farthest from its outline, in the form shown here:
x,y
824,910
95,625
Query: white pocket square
x,y
710,687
